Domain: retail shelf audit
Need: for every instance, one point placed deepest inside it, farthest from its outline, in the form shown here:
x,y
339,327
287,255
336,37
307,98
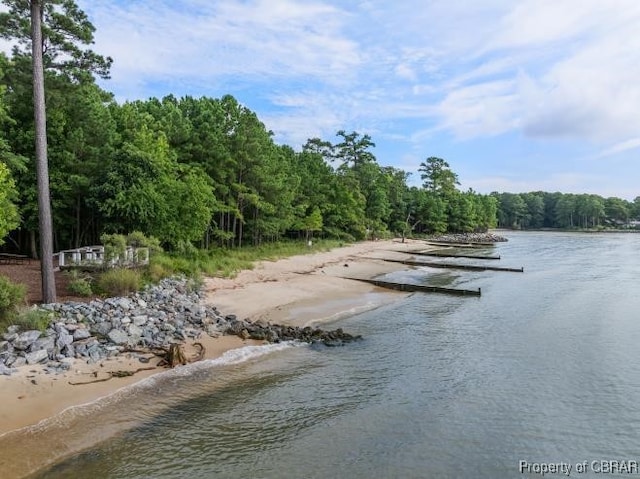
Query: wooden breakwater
x,y
408,287
468,267
459,245
445,255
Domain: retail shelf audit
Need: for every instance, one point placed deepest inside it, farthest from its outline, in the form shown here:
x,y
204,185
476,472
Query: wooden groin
x,y
459,245
468,267
419,288
445,255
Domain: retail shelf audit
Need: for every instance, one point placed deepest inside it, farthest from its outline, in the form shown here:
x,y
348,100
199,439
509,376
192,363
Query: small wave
x,y
231,357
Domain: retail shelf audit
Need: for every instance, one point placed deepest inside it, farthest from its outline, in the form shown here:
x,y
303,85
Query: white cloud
x,y
618,148
409,72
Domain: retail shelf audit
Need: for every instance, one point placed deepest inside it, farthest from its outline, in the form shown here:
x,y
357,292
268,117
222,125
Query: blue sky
x,y
517,95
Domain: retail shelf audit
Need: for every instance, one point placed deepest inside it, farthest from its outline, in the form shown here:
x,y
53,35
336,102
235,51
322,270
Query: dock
x,y
445,255
419,288
459,245
468,267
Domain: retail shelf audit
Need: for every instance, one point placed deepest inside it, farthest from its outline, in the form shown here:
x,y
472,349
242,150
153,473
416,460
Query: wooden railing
x,y
94,256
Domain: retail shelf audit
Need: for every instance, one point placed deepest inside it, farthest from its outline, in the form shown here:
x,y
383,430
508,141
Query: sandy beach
x,y
299,290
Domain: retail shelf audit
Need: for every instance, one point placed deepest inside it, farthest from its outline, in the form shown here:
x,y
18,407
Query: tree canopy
x,y
207,171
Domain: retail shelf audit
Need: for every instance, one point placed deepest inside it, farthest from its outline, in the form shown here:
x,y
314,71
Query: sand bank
x,y
299,290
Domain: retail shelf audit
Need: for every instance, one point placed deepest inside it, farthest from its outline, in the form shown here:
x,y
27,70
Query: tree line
x,y
201,171
564,210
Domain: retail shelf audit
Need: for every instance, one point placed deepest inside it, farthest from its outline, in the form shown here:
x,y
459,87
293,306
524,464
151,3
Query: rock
x,y
47,343
36,356
19,361
140,320
102,328
117,336
5,371
26,339
134,330
69,351
155,317
6,347
81,333
9,336
64,338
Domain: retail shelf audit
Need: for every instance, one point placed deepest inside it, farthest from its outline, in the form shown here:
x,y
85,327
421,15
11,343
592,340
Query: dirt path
x,y
29,275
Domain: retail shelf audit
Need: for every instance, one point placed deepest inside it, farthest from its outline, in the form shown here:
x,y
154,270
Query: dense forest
x,y
564,210
207,172
202,171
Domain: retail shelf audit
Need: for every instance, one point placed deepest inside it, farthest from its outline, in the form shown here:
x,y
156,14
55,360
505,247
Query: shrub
x,y
119,282
115,246
80,287
79,283
11,296
28,319
157,271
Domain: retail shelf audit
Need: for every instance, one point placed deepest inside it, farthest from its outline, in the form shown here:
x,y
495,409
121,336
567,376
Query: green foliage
x,y
115,246
196,172
225,262
119,282
557,210
79,283
438,177
9,218
28,319
11,297
137,239
156,270
65,28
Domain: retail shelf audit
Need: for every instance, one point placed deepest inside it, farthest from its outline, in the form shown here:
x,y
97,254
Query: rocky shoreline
x,y
470,238
164,314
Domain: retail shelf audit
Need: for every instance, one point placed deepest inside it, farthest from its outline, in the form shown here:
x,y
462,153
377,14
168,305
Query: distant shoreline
x,y
564,230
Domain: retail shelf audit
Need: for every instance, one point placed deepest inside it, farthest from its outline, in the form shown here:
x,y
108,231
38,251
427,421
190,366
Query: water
x,y
544,367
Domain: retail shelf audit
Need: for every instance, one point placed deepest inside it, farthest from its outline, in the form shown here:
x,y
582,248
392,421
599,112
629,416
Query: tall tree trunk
x,y
42,167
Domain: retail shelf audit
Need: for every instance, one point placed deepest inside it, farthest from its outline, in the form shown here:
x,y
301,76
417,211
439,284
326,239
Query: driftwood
x,y
112,374
173,355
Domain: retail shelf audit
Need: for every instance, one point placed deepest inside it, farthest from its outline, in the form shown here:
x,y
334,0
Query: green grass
x,y
12,296
226,263
119,282
28,319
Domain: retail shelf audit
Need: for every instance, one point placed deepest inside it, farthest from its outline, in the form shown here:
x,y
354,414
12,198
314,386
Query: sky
x,y
516,95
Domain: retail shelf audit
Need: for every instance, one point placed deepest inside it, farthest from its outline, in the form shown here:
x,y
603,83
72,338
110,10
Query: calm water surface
x,y
544,367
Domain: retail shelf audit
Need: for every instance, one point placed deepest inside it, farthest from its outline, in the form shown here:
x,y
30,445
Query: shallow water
x,y
544,367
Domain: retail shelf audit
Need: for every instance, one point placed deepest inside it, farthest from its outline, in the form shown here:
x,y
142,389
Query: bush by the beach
x,y
227,262
30,319
119,282
12,296
79,283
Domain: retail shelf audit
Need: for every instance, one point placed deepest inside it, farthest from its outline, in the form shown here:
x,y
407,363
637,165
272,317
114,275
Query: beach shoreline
x,y
297,291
